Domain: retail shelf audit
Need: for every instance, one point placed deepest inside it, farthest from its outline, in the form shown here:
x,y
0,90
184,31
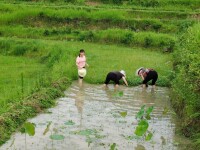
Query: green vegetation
x,y
186,85
39,41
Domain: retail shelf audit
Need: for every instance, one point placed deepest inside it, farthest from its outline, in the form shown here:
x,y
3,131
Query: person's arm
x,y
124,79
141,75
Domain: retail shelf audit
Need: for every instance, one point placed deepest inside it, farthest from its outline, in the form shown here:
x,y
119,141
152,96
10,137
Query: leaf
x,y
112,147
57,137
149,136
69,122
86,132
131,137
89,140
140,113
47,128
149,110
123,114
141,128
119,94
29,128
165,111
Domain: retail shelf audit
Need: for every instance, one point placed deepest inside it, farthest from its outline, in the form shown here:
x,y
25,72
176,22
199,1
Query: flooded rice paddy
x,y
90,118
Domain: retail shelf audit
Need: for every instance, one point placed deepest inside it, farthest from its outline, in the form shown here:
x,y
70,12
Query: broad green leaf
x,y
149,110
123,114
112,147
47,128
29,128
57,137
140,113
69,122
119,94
86,132
149,136
141,128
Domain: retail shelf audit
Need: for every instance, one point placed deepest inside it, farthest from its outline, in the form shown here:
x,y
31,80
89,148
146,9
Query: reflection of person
x,y
147,75
79,103
81,64
116,76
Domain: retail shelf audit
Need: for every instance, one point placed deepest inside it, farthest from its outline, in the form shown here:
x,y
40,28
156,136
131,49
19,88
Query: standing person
x,y
147,75
116,76
81,64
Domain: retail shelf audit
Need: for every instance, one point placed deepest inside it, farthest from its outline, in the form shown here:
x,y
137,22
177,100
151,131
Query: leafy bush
x,y
186,85
20,49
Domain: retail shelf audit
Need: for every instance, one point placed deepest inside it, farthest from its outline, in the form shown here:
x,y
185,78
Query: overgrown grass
x,y
162,42
13,69
186,85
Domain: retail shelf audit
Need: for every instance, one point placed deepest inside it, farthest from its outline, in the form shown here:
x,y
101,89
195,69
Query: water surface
x,y
88,118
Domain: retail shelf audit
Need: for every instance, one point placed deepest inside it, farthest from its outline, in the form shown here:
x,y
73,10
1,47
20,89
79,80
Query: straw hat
x,y
82,72
137,71
123,72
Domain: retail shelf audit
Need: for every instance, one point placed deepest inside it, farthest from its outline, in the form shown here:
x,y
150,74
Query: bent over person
x,y
116,76
147,75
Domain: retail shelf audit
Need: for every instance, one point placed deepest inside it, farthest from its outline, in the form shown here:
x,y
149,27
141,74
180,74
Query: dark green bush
x,y
20,49
127,39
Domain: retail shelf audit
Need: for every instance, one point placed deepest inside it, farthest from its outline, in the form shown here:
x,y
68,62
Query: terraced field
x,y
41,39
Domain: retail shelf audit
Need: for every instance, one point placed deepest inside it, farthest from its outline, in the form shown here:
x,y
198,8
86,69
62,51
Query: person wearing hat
x,y
81,64
116,76
147,75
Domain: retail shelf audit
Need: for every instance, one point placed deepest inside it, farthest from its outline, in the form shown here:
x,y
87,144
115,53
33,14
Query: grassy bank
x,y
17,79
186,85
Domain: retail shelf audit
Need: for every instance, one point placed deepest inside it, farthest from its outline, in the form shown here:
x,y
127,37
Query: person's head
x,y
140,71
123,72
81,53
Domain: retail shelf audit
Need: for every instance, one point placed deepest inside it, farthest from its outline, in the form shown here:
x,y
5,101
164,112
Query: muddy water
x,y
89,118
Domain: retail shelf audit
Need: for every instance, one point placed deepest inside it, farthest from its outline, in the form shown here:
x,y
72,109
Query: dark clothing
x,y
80,77
114,76
151,75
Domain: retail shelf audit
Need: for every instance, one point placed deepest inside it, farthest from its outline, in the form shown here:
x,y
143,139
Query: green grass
x,y
11,70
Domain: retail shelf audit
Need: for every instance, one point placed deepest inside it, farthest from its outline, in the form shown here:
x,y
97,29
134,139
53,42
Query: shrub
x,y
186,85
20,49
